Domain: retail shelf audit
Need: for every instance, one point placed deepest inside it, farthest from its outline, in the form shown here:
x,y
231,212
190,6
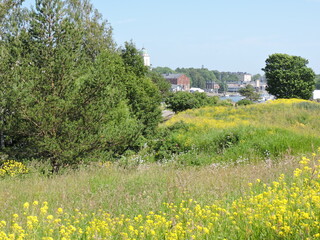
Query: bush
x,y
244,102
165,143
181,101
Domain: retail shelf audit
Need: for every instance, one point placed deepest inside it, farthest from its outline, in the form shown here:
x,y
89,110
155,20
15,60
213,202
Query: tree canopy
x,y
67,94
250,93
289,77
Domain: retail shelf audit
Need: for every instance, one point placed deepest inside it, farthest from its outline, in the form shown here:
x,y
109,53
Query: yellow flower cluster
x,y
12,168
223,117
288,208
220,117
288,101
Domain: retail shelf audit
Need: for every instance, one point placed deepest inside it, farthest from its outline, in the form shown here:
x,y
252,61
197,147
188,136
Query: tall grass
x,y
254,132
134,190
255,201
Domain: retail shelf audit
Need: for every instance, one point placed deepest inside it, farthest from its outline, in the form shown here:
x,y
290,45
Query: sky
x,y
223,35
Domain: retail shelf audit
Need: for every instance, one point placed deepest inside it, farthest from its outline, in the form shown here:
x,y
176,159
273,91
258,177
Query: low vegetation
x,y
244,202
181,101
249,133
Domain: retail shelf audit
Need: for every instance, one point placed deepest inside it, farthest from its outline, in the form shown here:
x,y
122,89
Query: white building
x,y
245,77
316,94
146,57
196,90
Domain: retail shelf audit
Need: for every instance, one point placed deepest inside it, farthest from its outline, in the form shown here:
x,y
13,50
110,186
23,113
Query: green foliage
x,y
143,94
256,77
244,102
6,6
163,70
250,93
164,145
181,101
317,80
250,133
162,84
289,77
133,60
66,94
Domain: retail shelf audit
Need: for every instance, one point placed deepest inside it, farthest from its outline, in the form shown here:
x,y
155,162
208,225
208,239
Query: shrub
x,y
165,144
244,102
181,101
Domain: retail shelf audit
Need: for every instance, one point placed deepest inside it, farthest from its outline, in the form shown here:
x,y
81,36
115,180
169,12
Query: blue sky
x,y
224,35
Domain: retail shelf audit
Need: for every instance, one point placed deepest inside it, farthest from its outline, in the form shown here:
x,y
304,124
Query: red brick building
x,y
180,80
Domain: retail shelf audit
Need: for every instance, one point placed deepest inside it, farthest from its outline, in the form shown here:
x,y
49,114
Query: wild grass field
x,y
251,133
234,173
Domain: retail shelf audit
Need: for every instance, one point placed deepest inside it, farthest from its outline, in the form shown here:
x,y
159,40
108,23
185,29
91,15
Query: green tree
x,y
163,70
72,97
256,77
6,7
250,93
162,84
143,95
13,21
289,77
71,103
317,80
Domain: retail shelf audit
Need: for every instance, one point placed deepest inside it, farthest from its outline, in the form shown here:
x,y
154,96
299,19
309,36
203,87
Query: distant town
x,y
224,84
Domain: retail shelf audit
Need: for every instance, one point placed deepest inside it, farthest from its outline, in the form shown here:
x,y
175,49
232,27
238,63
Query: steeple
x,y
146,57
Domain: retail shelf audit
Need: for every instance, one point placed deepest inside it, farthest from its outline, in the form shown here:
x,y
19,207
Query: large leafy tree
x,y
289,77
70,96
162,84
143,95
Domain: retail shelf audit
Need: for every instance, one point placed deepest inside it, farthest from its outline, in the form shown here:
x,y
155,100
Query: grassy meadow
x,y
248,172
256,132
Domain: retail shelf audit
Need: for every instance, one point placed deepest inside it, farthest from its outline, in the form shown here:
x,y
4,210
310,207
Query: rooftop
x,y
172,75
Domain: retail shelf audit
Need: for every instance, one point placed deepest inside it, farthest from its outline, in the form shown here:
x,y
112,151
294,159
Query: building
x,y
316,95
212,87
244,77
234,87
181,81
146,57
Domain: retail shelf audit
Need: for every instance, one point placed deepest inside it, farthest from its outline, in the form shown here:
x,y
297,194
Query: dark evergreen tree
x,y
72,96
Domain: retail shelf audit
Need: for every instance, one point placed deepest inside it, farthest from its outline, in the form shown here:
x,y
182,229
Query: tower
x,y
146,57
